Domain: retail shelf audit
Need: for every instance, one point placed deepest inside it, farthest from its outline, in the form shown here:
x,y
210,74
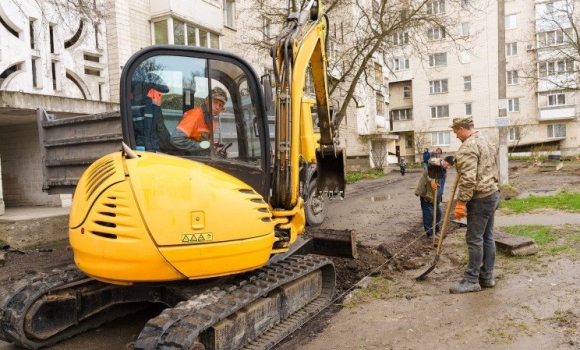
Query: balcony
x,y
562,112
403,125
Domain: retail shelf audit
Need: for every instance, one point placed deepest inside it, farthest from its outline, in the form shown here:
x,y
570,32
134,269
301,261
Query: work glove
x,y
460,210
434,185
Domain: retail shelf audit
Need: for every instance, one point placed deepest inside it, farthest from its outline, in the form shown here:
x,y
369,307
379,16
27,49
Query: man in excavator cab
x,y
193,132
150,131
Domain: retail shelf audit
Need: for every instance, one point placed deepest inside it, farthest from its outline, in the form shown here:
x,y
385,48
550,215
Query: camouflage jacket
x,y
476,163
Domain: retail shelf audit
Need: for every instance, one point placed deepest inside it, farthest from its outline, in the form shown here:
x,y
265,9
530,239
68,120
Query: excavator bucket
x,y
331,174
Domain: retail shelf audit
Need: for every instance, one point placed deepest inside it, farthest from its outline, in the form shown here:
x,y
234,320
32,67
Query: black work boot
x,y
487,283
465,287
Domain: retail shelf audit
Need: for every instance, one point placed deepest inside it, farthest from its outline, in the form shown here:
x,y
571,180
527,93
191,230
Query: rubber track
x,y
179,327
16,298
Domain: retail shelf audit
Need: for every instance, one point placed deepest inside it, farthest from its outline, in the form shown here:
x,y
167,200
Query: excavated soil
x,y
405,313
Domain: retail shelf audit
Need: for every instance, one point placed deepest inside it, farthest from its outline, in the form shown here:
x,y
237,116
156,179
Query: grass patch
x,y
541,234
355,176
569,201
378,288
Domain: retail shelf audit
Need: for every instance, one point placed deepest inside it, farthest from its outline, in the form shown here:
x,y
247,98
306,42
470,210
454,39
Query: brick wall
x,y
21,167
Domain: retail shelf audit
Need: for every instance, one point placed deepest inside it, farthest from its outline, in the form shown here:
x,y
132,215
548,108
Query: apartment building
x,y
540,102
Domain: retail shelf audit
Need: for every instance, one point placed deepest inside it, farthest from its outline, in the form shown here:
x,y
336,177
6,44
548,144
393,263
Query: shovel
x,y
443,229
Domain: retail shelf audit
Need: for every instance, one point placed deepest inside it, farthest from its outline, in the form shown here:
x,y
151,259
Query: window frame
x,y
438,136
229,13
440,86
439,112
513,104
511,49
438,60
511,20
512,77
555,130
467,82
554,99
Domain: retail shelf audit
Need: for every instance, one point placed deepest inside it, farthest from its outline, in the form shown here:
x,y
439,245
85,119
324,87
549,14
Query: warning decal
x,y
196,237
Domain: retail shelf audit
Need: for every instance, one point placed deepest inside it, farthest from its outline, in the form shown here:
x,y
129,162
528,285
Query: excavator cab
x,y
165,84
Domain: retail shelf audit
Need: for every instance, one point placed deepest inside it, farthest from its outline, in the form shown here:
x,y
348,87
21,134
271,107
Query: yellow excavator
x,y
212,233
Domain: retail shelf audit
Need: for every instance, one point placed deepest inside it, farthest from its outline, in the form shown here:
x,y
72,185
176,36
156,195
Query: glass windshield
x,y
194,107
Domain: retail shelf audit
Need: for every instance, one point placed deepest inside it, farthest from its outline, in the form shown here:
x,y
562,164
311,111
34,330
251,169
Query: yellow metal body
x,y
308,137
162,218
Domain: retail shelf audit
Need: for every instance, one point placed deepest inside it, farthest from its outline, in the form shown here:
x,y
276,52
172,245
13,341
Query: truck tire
x,y
315,206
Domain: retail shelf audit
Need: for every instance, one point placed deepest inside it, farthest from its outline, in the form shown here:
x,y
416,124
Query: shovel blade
x,y
428,271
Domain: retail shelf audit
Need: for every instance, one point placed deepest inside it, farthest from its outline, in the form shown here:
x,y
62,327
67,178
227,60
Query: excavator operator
x,y
193,131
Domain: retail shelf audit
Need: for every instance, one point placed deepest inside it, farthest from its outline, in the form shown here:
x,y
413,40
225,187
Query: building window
x,y
436,7
511,49
438,86
510,22
514,133
556,100
555,67
400,64
161,32
178,32
184,34
401,114
380,104
440,138
409,141
465,56
467,83
512,77
229,13
406,92
378,73
436,33
438,112
513,105
438,60
35,72
53,75
556,130
554,37
468,108
266,27
465,28
51,37
32,34
400,38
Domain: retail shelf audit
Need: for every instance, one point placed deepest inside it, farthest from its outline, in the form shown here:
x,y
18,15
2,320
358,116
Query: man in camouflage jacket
x,y
478,198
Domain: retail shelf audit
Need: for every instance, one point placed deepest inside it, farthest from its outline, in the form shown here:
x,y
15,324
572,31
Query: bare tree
x,y
363,32
556,41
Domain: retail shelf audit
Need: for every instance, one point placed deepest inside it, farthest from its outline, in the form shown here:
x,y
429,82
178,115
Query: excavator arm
x,y
300,46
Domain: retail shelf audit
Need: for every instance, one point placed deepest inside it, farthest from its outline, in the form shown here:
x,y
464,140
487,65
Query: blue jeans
x,y
479,237
427,209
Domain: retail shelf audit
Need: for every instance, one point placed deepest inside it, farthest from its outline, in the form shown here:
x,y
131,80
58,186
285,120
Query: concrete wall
x,y
21,167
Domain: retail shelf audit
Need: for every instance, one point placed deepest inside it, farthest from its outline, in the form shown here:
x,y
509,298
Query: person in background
x,y
426,157
438,152
478,198
425,191
194,127
403,166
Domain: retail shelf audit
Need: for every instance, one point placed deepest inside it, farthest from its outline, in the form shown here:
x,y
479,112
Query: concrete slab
x,y
514,245
23,227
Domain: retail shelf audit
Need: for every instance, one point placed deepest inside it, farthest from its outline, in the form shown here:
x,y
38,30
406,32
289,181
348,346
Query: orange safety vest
x,y
193,124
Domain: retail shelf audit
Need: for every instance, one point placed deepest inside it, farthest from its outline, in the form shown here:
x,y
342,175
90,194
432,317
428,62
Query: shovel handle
x,y
447,212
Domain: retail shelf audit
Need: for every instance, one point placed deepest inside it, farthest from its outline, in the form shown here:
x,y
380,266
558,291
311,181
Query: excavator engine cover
x,y
331,173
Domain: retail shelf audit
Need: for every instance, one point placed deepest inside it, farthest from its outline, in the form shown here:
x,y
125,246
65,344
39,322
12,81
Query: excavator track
x,y
254,311
16,299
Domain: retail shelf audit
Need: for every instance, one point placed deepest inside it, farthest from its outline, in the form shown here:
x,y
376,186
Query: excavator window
x,y
171,110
